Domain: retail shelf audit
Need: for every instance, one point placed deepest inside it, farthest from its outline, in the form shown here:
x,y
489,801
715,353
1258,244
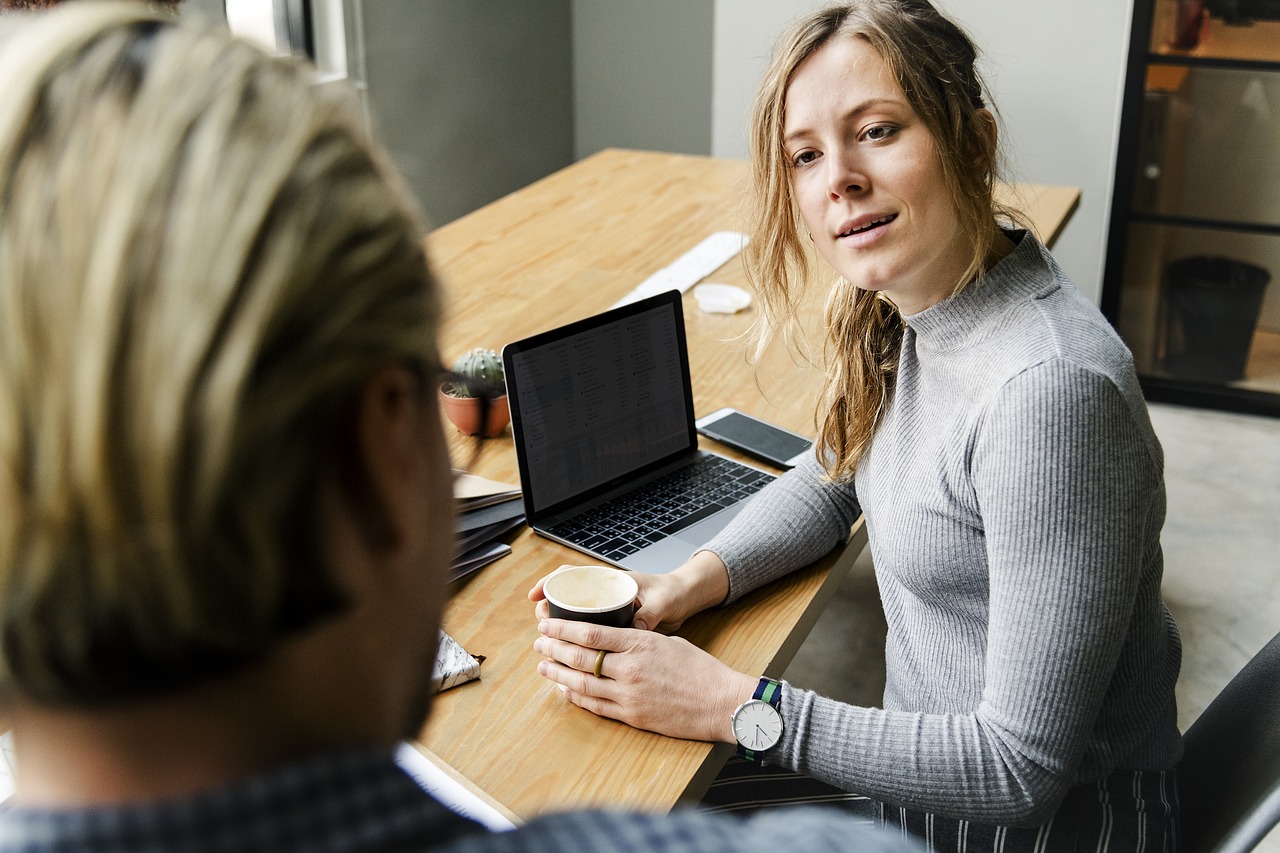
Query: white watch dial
x,y
757,725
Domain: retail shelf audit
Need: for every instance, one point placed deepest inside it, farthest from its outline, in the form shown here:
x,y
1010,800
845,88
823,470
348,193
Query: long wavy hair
x,y
933,61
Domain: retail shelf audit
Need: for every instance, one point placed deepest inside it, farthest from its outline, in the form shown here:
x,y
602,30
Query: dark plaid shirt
x,y
359,800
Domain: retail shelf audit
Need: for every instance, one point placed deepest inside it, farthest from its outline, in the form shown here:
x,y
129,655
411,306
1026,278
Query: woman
x,y
987,421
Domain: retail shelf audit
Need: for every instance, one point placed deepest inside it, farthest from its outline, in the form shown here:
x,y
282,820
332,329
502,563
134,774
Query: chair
x,y
1229,779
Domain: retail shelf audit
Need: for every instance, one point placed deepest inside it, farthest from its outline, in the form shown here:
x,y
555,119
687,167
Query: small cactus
x,y
482,366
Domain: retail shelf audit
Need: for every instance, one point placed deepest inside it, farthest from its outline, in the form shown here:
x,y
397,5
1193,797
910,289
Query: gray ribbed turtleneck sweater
x,y
1014,497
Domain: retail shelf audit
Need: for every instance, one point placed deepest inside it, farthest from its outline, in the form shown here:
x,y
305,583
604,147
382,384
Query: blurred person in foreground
x,y
225,503
35,5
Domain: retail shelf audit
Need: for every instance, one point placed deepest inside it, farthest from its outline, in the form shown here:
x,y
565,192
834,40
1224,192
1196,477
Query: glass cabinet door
x,y
1192,279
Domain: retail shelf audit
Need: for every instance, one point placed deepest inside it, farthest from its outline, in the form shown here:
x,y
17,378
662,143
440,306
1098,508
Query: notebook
x,y
602,414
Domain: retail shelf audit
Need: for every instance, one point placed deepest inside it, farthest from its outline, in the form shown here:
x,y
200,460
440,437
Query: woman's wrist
x,y
741,689
705,580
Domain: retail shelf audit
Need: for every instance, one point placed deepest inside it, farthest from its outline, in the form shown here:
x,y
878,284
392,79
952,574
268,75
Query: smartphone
x,y
754,437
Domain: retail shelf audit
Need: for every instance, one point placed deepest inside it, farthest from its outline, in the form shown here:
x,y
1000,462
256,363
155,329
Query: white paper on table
x,y
690,268
451,793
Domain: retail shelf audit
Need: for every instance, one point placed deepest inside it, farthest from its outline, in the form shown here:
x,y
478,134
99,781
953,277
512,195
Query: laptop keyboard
x,y
621,527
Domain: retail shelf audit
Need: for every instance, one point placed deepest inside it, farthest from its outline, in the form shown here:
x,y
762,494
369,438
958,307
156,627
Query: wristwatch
x,y
757,724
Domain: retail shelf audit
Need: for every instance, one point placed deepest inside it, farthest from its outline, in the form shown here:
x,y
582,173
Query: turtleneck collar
x,y
953,321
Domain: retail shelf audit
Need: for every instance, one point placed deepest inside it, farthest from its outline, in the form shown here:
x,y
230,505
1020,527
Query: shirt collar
x,y
353,799
952,322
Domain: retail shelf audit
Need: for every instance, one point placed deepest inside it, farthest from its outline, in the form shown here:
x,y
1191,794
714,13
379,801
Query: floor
x,y
1222,573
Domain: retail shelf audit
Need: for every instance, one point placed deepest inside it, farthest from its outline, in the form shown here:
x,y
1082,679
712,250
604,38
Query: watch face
x,y
757,725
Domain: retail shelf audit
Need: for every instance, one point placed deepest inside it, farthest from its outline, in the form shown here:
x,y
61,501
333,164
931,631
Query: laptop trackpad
x,y
661,557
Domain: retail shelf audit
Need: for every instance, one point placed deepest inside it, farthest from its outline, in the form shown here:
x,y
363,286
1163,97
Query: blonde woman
x,y
226,510
987,421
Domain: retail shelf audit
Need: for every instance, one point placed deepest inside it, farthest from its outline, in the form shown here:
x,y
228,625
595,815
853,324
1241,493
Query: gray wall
x,y
477,99
1056,70
643,75
205,9
474,99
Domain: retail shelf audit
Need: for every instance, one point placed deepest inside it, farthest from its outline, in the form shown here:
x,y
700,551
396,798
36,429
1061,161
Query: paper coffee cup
x,y
596,594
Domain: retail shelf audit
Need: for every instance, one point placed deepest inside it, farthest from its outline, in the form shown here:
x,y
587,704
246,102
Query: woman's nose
x,y
846,178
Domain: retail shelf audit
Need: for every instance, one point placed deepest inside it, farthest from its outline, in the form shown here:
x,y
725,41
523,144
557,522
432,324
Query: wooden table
x,y
566,247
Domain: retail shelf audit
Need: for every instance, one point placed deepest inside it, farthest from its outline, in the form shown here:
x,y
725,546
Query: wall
x,y
203,9
642,75
529,87
1056,71
473,106
745,31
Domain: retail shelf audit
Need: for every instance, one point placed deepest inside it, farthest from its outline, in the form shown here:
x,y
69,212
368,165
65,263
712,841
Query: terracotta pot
x,y
464,413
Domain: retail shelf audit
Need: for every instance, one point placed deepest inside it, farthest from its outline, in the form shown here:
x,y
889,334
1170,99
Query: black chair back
x,y
1229,779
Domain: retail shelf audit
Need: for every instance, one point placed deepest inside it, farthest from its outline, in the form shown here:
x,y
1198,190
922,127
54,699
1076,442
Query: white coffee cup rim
x,y
622,574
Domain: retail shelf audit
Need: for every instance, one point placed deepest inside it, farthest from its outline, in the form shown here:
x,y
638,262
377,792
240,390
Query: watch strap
x,y
767,690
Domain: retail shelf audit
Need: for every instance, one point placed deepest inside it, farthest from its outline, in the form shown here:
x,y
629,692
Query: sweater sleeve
x,y
789,524
1068,488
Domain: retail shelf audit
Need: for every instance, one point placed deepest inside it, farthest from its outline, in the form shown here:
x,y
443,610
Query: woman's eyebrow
x,y
862,107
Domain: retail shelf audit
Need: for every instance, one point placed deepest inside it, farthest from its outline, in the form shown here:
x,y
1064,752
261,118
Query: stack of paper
x,y
472,492
488,511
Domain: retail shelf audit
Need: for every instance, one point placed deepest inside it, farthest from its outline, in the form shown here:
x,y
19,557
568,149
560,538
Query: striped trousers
x,y
1130,811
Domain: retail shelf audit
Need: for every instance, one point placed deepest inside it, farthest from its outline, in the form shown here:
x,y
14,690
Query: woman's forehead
x,y
843,77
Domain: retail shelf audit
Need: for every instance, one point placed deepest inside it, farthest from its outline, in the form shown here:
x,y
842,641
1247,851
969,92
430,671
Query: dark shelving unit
x,y
1198,178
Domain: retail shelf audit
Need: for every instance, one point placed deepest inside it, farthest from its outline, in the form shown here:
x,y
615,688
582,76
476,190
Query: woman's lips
x,y
866,223
864,230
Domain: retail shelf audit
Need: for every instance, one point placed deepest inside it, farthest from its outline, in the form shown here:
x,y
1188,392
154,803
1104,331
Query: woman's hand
x,y
665,601
649,681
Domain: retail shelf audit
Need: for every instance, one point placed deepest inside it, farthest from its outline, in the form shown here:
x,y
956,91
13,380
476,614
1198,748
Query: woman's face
x,y
868,180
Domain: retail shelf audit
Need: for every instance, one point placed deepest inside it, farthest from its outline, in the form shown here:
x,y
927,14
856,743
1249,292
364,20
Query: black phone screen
x,y
756,437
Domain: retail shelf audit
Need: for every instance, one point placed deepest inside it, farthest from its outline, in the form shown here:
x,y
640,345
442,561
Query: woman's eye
x,y
804,158
880,132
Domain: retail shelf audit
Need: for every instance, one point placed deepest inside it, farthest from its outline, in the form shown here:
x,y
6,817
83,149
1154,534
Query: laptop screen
x,y
598,401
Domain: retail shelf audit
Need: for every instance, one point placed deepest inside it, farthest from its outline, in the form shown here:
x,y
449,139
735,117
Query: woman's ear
x,y
985,137
388,456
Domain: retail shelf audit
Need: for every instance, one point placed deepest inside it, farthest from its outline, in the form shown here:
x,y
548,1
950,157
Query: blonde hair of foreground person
x,y
933,62
201,259
26,5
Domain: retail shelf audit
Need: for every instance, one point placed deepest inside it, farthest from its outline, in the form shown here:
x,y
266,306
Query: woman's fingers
x,y
585,690
571,655
660,607
664,684
588,635
575,680
597,705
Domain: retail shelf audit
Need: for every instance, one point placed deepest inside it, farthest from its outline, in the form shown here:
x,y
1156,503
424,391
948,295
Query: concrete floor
x,y
1222,568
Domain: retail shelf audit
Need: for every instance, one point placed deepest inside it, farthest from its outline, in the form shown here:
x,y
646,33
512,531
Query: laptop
x,y
602,413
